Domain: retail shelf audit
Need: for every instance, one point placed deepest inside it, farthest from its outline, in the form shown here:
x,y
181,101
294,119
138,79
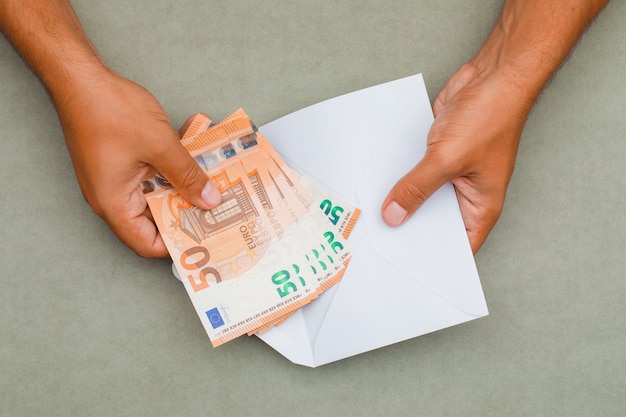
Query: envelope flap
x,y
376,309
291,340
431,253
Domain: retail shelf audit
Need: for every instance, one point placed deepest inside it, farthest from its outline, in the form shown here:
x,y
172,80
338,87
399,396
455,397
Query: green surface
x,y
89,329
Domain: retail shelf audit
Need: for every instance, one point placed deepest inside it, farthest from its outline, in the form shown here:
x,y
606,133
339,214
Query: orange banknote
x,y
265,251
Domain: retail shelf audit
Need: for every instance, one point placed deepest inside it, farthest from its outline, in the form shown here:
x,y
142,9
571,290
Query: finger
x,y
189,121
439,104
476,239
480,210
183,128
458,81
478,234
183,172
140,234
130,219
148,214
411,191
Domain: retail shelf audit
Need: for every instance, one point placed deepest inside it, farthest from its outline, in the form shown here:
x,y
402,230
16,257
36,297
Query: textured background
x,y
88,328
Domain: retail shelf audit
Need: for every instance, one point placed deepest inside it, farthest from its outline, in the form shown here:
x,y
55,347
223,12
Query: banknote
x,y
340,212
295,198
265,251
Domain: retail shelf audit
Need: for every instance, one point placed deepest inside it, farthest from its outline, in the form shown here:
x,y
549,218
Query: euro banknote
x,y
272,246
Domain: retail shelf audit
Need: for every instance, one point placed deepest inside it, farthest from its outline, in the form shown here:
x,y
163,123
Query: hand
x,y
472,143
118,135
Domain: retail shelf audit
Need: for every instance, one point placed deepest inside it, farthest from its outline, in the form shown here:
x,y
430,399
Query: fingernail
x,y
211,195
394,214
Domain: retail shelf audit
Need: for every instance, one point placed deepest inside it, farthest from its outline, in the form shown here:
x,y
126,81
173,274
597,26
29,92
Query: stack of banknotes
x,y
274,244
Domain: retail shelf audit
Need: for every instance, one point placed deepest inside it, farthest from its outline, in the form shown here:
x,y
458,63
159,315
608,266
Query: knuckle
x,y
411,194
94,202
193,178
104,204
160,150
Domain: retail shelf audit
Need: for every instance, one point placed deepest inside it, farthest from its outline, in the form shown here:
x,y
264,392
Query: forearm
x,y
530,41
51,40
116,132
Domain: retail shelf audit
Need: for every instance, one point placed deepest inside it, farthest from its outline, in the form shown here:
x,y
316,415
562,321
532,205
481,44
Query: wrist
x,y
75,78
51,40
530,41
508,58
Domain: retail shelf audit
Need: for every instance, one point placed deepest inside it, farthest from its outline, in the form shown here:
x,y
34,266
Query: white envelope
x,y
402,282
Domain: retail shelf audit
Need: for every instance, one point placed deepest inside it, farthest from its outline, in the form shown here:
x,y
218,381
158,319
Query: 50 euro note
x,y
295,189
340,212
258,256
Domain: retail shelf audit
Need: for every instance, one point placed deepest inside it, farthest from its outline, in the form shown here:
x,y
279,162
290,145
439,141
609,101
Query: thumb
x,y
184,173
412,190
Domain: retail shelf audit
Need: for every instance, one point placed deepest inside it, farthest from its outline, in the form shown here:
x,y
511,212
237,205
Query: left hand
x,y
472,143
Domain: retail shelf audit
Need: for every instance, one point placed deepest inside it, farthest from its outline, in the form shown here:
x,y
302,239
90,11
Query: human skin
x,y
482,109
116,132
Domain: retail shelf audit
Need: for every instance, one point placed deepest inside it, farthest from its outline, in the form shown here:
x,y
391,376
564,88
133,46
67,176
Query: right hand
x,y
119,135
